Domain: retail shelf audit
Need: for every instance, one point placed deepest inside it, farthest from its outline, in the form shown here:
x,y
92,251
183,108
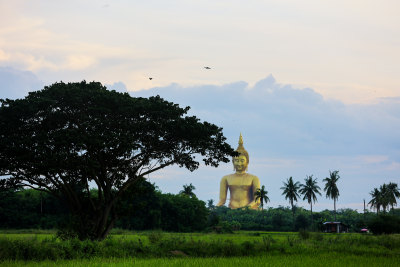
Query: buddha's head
x,y
241,162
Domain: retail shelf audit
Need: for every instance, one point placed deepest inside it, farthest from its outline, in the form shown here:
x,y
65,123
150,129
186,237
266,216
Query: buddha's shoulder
x,y
234,175
228,176
252,176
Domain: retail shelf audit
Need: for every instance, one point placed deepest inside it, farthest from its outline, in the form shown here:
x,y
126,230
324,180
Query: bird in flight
x,y
150,78
207,68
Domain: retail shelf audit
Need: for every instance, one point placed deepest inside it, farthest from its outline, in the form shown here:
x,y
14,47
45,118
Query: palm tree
x,y
210,204
262,195
290,190
375,201
393,193
331,188
188,190
384,197
309,190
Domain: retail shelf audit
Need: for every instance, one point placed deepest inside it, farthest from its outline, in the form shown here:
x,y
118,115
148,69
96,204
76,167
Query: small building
x,y
335,227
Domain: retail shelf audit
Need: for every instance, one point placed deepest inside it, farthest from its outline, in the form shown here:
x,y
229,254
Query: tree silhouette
x,y
309,190
375,201
262,195
290,191
393,193
188,190
69,138
385,196
210,204
331,189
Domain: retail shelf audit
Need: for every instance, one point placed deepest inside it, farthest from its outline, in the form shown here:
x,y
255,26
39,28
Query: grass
x,y
326,259
198,249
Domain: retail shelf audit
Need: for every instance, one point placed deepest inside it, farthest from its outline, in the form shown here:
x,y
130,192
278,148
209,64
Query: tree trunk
x,y
334,207
293,214
312,221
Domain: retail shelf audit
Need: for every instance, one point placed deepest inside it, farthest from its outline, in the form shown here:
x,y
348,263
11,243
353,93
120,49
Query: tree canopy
x,y
71,136
188,190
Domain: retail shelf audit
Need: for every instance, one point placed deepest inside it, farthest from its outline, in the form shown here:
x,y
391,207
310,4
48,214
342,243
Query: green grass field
x,y
332,259
242,248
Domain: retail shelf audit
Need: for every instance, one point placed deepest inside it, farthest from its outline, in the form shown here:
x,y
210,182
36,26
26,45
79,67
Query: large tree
x,y
290,191
69,138
309,191
331,188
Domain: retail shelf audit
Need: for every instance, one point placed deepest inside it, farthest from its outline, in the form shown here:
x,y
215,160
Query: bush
x,y
155,237
303,234
384,224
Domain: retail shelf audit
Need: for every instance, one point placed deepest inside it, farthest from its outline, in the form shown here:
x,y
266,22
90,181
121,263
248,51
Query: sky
x,y
313,86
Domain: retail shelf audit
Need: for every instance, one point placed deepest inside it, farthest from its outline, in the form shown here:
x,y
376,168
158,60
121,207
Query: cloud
x,y
117,86
284,120
287,131
293,132
16,83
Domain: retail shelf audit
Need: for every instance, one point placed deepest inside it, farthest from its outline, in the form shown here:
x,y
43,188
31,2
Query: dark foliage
x,y
384,224
280,219
144,208
31,209
66,137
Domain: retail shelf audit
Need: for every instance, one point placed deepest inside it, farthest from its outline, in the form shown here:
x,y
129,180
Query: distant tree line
x,y
143,208
146,208
281,218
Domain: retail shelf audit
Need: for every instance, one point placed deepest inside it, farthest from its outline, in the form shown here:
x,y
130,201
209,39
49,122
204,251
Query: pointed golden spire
x,y
240,139
241,148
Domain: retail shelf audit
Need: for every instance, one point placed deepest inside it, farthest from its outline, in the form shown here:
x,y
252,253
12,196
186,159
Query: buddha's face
x,y
240,163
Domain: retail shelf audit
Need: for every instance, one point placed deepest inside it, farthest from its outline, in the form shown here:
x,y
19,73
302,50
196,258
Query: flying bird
x,y
150,78
207,68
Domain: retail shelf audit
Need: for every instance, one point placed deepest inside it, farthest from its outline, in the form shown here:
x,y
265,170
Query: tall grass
x,y
167,245
325,259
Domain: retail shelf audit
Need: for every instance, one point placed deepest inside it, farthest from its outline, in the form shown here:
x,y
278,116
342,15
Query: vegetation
x,y
385,224
65,139
210,204
320,259
144,207
309,191
331,188
68,137
384,197
188,190
290,191
163,245
261,195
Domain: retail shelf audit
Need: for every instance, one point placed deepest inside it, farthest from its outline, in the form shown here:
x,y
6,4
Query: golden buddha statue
x,y
242,185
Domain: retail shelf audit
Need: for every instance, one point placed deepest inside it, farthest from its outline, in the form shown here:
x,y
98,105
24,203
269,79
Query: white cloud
x,y
117,86
16,83
294,132
342,50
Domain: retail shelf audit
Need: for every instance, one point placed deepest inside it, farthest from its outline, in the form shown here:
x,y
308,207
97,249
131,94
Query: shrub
x,y
303,234
155,237
385,224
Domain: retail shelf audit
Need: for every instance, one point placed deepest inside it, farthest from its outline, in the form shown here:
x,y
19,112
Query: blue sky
x,y
312,85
